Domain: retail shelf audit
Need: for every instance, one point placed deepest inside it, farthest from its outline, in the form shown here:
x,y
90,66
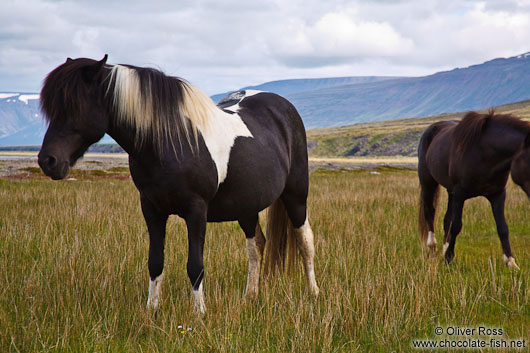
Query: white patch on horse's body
x,y
154,292
251,92
510,262
431,240
304,240
198,298
254,263
235,107
220,137
218,128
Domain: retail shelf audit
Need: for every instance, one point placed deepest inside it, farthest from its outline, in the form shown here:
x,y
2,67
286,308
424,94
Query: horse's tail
x,y
428,204
280,247
429,187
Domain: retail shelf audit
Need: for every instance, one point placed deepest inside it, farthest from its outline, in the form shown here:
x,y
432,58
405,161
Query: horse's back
x,y
273,117
261,166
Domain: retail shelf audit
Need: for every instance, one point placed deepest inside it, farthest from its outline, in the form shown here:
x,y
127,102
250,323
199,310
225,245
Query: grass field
x,y
73,273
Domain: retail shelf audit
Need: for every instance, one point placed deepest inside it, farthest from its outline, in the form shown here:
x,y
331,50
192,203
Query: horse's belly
x,y
234,202
246,194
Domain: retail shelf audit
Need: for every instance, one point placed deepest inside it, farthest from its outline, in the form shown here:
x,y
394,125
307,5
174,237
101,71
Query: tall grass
x,y
73,273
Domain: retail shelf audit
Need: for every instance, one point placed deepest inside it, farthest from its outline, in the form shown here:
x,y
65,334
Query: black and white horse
x,y
189,157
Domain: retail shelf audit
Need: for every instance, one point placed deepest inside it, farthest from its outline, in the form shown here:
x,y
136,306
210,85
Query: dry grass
x,y
73,273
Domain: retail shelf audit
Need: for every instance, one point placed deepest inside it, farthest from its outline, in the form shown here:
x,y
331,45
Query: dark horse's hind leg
x,y
156,225
497,205
196,224
448,220
455,226
255,247
296,207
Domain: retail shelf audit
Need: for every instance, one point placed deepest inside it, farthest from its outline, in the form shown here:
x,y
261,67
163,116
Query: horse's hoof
x,y
431,243
510,262
315,291
152,305
251,295
449,258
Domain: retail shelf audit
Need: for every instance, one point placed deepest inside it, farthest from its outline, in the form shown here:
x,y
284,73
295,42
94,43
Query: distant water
x,y
17,157
87,157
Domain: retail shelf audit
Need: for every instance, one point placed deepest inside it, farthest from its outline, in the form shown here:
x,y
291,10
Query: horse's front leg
x,y
196,224
497,206
156,225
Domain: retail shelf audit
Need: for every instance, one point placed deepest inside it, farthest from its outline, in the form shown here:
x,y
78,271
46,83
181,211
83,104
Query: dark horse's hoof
x,y
449,257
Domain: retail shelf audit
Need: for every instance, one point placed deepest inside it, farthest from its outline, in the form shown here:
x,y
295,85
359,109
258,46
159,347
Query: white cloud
x,y
226,45
338,37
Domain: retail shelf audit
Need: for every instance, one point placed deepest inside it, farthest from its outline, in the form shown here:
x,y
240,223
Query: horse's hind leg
x,y
497,205
456,226
156,225
255,247
296,207
448,220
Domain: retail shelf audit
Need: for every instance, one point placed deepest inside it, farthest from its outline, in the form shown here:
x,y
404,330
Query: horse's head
x,y
520,168
72,102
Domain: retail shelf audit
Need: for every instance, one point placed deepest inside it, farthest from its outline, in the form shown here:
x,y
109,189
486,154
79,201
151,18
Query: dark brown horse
x,y
471,158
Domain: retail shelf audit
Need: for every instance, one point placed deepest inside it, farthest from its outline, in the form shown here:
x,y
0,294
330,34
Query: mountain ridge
x,y
339,101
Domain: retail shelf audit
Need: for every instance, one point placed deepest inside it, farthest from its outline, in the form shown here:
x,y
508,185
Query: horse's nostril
x,y
47,162
51,162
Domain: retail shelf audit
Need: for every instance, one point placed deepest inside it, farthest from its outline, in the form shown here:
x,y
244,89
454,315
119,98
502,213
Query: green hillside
x,y
386,138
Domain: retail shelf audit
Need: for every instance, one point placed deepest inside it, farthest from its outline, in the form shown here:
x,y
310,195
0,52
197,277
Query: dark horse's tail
x,y
429,187
280,248
428,204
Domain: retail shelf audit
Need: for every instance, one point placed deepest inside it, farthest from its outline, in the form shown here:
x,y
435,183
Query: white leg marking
x,y
304,239
431,240
198,296
510,262
254,264
445,246
155,287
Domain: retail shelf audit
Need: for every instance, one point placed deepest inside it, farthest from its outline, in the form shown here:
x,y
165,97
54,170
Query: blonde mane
x,y
158,106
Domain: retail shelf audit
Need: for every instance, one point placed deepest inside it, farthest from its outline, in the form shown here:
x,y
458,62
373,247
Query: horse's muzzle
x,y
53,168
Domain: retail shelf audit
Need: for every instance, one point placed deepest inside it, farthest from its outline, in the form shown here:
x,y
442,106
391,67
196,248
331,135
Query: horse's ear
x,y
68,60
92,71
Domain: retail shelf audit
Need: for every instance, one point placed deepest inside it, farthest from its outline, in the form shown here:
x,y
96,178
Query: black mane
x,y
65,90
469,130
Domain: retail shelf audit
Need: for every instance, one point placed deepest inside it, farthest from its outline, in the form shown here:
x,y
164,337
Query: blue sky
x,y
224,45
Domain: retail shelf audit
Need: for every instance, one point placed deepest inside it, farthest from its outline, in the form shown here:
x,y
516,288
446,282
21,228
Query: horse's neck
x,y
506,141
125,137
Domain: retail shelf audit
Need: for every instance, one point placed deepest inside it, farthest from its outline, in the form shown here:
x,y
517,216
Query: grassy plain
x,y
73,273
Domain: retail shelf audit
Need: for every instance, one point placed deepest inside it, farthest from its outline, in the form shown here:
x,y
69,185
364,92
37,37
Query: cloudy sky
x,y
224,45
